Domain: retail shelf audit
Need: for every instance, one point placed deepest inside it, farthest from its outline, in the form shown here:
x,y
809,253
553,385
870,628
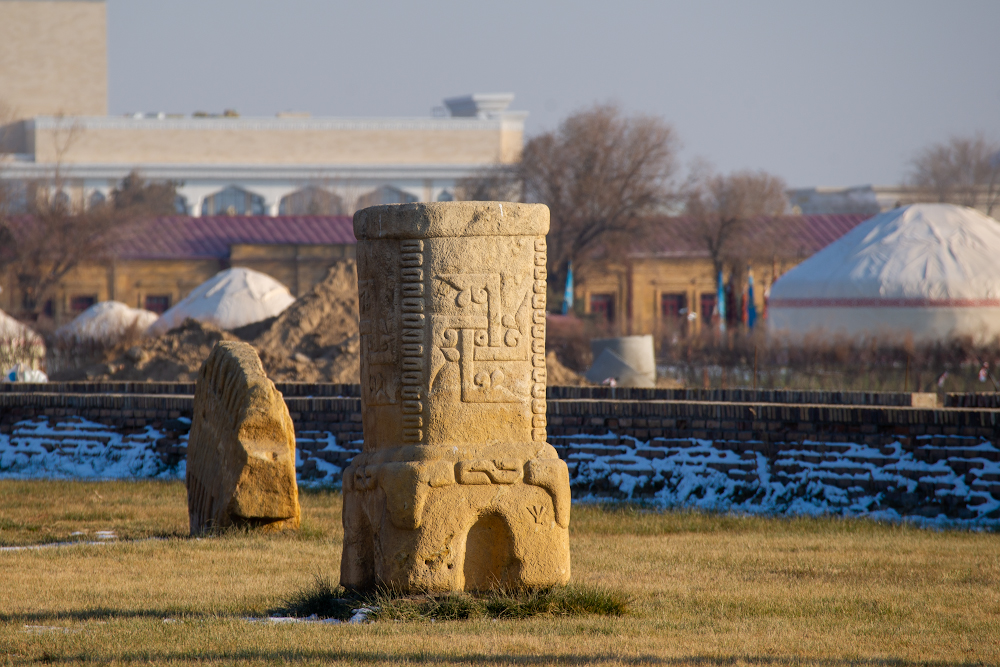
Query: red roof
x,y
209,237
797,235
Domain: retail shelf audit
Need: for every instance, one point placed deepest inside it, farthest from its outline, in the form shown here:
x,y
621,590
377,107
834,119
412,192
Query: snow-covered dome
x,y
106,322
19,343
230,299
929,270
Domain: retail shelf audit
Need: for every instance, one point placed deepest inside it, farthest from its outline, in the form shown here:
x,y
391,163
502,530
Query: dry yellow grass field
x,y
706,589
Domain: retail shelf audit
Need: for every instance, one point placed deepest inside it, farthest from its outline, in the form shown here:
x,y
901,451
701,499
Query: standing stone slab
x,y
456,488
241,449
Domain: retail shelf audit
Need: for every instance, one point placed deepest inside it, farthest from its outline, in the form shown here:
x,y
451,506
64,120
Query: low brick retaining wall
x,y
858,453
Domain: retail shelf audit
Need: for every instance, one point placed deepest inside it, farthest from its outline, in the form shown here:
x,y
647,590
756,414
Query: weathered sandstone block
x,y
241,449
456,487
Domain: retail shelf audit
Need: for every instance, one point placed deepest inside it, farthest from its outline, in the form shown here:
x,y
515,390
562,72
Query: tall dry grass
x,y
706,590
821,362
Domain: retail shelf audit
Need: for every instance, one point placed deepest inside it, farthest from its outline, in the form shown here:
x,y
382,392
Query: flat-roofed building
x,y
158,261
53,88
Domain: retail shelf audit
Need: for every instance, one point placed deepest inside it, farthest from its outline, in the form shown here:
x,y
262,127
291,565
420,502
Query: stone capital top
x,y
451,219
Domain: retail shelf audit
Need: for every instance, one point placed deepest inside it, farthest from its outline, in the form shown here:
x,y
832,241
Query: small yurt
x,y
19,344
230,299
106,322
930,271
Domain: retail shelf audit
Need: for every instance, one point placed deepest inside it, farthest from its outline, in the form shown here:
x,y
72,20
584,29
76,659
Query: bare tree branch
x,y
601,173
724,206
964,171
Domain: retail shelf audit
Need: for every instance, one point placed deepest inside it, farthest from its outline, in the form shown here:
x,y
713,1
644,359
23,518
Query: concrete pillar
x,y
456,484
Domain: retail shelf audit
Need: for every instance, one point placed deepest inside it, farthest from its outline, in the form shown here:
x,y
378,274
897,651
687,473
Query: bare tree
x,y
965,171
724,208
499,182
41,247
141,197
601,173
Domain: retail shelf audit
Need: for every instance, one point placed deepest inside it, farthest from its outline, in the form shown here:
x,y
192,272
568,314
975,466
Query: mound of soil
x,y
175,356
558,375
316,339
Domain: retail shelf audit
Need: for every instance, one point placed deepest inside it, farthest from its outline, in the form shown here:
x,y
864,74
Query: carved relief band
x,y
456,487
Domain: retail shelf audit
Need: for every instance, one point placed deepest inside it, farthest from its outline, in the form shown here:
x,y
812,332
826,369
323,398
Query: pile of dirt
x,y
316,339
557,375
175,356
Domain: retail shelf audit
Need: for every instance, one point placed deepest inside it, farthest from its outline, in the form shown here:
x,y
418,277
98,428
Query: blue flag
x,y
720,304
568,296
751,308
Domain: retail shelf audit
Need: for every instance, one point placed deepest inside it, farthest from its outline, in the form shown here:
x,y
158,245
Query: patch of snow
x,y
801,481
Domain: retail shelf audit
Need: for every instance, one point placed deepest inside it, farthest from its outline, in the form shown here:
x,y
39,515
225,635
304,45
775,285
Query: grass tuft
x,y
326,600
323,599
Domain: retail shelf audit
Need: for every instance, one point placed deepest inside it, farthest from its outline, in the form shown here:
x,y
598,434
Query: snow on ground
x,y
80,449
813,478
799,481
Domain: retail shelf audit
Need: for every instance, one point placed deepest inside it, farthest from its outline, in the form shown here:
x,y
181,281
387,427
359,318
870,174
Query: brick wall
x,y
853,453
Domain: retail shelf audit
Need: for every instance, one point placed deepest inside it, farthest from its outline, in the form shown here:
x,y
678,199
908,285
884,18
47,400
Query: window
x,y
97,199
707,308
673,306
181,205
674,313
311,201
233,201
603,305
79,303
61,201
158,303
385,195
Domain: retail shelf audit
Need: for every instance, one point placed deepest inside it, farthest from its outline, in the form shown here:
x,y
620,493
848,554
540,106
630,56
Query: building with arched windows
x,y
53,93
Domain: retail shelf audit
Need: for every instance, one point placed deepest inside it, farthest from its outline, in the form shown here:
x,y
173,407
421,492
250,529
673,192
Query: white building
x,y
65,145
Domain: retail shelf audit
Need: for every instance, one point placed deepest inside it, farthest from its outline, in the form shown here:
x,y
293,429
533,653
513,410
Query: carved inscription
x,y
413,317
538,342
483,321
537,512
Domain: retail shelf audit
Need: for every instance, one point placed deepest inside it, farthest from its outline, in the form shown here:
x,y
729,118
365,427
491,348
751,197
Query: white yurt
x,y
19,344
230,299
930,271
106,322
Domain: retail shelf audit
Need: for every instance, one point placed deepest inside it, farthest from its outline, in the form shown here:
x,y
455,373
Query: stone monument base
x,y
457,525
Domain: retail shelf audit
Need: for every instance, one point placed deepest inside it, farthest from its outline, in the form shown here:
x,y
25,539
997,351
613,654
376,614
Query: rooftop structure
x,y
53,113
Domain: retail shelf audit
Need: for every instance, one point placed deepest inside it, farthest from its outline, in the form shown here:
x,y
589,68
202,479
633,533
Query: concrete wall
x,y
270,141
53,58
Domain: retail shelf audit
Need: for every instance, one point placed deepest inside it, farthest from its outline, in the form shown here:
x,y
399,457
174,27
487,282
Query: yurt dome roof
x,y
930,269
230,299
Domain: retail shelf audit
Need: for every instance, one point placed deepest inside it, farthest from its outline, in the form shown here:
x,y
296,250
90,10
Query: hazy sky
x,y
833,93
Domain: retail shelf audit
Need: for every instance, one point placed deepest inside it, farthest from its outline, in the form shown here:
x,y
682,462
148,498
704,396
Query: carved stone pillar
x,y
456,488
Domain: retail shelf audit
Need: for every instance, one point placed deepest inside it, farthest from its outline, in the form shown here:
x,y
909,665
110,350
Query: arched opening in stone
x,y
489,555
357,565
